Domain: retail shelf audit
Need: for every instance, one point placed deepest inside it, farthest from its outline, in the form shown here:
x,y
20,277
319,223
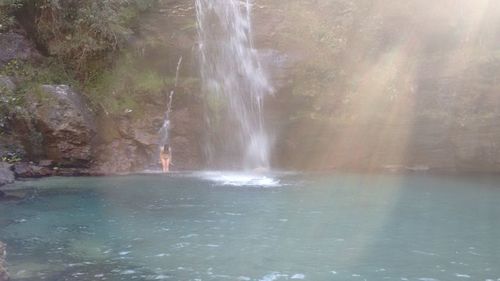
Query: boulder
x,y
121,156
45,169
126,143
6,175
3,270
143,130
66,125
27,170
75,172
11,195
46,163
15,46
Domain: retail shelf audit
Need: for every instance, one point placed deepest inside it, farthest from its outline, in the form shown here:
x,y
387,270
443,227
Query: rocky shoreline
x,y
24,170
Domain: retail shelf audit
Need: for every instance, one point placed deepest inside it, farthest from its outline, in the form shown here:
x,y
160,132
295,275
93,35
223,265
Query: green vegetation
x,y
85,45
7,9
11,158
94,47
48,72
83,34
122,88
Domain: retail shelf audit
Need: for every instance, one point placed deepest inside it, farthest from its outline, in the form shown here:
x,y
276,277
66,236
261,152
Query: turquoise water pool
x,y
226,226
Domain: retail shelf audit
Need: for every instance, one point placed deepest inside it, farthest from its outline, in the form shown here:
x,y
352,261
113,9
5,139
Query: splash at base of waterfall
x,y
240,179
259,179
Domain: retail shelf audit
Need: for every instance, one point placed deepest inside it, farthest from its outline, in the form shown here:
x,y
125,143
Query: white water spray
x,y
234,83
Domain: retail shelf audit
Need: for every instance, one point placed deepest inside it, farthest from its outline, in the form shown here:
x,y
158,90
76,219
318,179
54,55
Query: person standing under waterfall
x,y
165,150
165,157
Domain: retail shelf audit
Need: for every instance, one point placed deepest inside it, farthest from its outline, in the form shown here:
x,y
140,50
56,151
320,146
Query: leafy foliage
x,y
83,34
11,157
123,87
85,43
14,101
7,7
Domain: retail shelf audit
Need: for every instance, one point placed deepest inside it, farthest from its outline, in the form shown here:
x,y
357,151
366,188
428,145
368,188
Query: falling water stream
x,y
234,84
165,128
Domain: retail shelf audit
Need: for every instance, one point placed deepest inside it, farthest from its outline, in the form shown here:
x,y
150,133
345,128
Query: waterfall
x,y
234,84
164,132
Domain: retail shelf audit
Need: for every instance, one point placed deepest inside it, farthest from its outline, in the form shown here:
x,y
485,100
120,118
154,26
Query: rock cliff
x,y
358,85
370,85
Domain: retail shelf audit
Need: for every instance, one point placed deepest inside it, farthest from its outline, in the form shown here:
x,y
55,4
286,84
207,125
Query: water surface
x,y
220,226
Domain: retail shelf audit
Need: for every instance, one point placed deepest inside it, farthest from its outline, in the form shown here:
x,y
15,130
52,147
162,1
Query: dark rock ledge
x,y
6,174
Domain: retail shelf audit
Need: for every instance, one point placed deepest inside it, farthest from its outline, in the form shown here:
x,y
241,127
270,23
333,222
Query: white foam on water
x,y
191,235
298,276
232,214
423,253
241,179
273,276
462,275
181,245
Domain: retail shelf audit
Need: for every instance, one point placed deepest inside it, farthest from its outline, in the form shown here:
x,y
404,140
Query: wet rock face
x,y
25,170
3,270
121,156
187,137
15,46
334,106
6,174
477,148
329,109
127,143
133,143
66,125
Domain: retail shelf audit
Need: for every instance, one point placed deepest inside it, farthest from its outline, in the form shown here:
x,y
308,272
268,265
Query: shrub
x,y
80,33
7,8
